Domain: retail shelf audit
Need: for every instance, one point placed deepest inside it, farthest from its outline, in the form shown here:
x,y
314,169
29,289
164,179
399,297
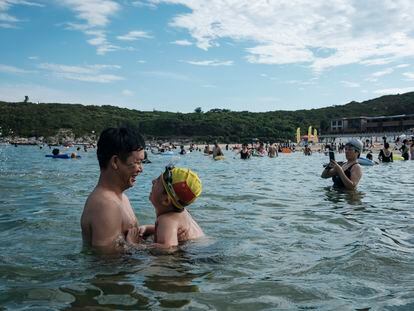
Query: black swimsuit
x,y
338,183
385,158
244,155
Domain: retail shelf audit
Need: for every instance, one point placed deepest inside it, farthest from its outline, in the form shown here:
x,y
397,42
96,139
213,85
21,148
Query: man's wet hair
x,y
119,141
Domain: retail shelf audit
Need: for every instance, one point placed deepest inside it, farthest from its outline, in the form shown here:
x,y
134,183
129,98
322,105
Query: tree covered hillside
x,y
26,119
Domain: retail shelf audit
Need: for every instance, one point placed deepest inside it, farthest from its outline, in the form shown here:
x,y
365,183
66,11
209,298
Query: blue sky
x,y
176,55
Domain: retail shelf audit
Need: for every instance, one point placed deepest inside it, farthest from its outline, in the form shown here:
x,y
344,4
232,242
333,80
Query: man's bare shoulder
x,y
100,205
101,198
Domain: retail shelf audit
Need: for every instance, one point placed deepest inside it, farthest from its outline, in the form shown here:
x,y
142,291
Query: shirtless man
x,y
217,150
107,214
171,192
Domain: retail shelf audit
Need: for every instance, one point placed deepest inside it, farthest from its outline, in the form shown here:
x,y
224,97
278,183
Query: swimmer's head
x,y
356,144
182,185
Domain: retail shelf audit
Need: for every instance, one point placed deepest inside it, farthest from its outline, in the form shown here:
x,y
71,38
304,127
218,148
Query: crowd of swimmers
x,y
246,150
402,147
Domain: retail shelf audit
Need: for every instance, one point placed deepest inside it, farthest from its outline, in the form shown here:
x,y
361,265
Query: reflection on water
x,y
351,197
108,291
137,285
279,237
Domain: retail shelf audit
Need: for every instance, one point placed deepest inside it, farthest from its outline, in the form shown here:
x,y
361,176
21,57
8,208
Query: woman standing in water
x,y
347,175
385,155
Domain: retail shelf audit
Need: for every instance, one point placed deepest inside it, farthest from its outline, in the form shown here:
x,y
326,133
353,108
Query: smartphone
x,y
331,155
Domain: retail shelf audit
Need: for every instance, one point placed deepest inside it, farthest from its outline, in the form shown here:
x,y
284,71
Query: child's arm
x,y
167,232
146,230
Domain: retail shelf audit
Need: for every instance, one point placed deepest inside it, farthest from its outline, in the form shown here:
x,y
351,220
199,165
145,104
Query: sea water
x,y
278,237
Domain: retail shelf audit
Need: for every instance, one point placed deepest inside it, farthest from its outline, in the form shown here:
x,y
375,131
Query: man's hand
x,y
133,236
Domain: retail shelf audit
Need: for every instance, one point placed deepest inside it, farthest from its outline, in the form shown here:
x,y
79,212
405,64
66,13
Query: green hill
x,y
30,119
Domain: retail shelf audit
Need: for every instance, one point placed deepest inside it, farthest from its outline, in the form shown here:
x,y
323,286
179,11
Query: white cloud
x,y
134,35
409,75
166,75
374,76
13,70
144,4
283,32
278,54
7,26
89,73
141,61
376,61
99,40
402,66
4,17
350,84
298,82
209,86
213,63
392,91
182,42
382,73
10,21
19,2
127,92
96,15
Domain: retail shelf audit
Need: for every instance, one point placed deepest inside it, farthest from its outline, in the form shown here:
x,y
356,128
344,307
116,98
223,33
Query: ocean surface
x,y
278,238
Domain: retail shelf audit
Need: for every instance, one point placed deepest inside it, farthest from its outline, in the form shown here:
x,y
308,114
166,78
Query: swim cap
x,y
356,143
182,185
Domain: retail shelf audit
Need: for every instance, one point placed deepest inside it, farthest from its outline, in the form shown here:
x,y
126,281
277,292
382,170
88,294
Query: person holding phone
x,y
331,155
347,175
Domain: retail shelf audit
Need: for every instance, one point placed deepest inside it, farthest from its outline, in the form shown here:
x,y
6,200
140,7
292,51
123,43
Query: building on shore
x,y
372,128
397,123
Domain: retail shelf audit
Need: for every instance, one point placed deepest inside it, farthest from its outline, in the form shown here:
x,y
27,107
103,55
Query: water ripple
x,y
279,237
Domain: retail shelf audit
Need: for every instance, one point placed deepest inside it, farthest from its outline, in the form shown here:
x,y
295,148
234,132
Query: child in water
x,y
171,193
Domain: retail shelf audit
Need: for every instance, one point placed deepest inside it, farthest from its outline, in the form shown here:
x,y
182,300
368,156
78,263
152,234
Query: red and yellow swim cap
x,y
182,185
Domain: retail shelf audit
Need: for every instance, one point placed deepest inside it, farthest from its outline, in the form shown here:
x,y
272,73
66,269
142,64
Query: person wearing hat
x,y
349,173
172,192
107,215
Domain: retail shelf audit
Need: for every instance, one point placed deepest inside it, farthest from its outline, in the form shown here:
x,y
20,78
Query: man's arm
x,y
106,228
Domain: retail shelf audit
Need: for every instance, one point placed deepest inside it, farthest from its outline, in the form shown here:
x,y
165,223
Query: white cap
x,y
356,143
